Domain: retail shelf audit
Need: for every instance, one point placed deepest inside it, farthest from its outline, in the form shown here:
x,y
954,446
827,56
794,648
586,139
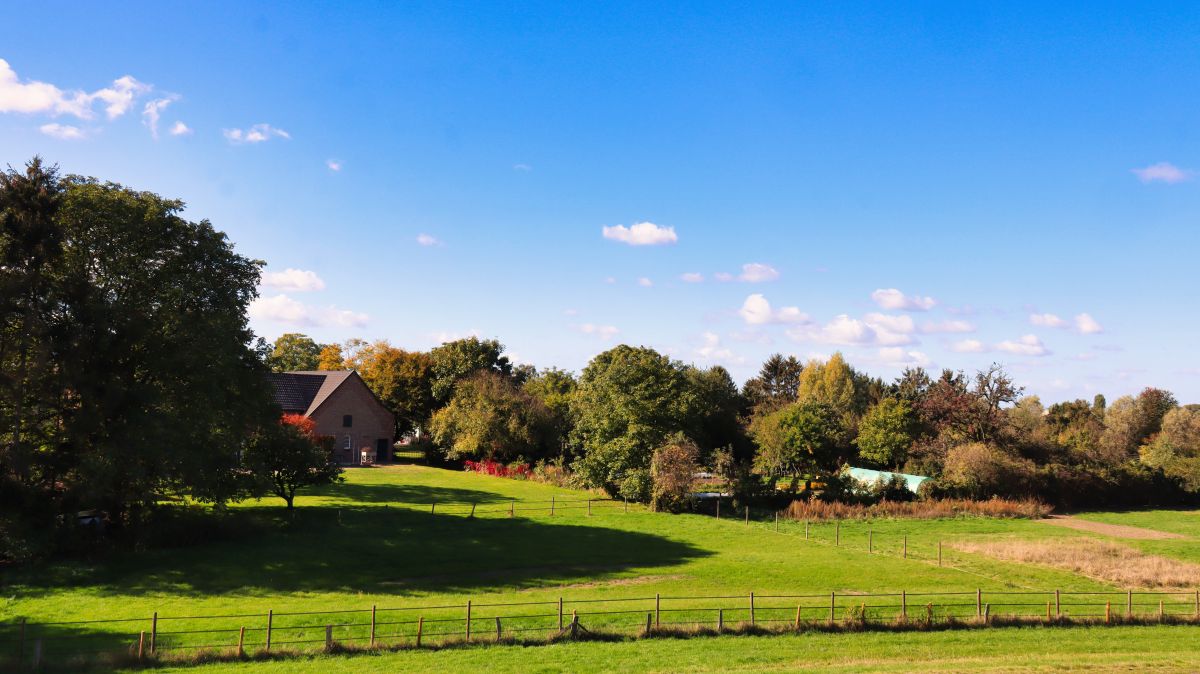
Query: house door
x,y
381,451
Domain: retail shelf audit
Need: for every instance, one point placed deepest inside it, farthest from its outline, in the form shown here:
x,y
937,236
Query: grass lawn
x,y
374,541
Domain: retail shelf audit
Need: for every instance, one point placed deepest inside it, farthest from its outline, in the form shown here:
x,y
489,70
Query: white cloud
x,y
299,280
259,133
891,330
968,346
1162,172
898,357
180,129
841,330
950,326
41,97
756,310
711,349
522,167
1028,345
723,276
645,282
283,309
1048,320
428,240
641,234
62,131
604,332
610,280
334,165
1087,325
153,111
894,300
443,336
756,272
692,277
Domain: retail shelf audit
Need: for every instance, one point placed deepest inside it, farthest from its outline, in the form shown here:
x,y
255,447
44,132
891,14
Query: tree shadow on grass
x,y
405,493
374,550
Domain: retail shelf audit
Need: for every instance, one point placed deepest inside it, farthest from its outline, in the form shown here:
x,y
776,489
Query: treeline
x,y
128,373
639,424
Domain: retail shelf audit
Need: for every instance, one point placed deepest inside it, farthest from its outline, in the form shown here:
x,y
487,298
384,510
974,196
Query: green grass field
x,y
374,541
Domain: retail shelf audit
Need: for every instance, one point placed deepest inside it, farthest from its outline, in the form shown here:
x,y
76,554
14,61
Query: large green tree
x,y
776,384
143,381
489,417
454,361
885,433
799,439
294,351
402,380
629,401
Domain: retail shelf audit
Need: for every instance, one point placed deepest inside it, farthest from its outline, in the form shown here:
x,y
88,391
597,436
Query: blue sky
x,y
947,184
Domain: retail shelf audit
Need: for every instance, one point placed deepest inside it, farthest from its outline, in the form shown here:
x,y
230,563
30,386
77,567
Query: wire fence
x,y
241,634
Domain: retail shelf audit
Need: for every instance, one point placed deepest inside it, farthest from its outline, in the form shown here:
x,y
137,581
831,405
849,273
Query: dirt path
x,y
1114,530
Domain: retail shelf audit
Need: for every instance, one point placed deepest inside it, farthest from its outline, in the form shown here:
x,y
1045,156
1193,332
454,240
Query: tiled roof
x,y
303,392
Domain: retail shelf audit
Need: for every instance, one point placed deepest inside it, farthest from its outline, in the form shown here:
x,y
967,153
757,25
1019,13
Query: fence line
x,y
29,643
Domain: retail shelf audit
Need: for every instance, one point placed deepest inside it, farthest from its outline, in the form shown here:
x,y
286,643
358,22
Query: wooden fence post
x,y
551,506
657,609
270,619
870,539
420,628
497,628
242,642
141,644
560,614
832,607
903,606
720,620
1198,604
512,507
433,508
468,620
939,553
472,515
987,614
372,626
837,533
806,530
574,623
589,507
776,520
978,603
797,625
1129,603
747,514
1107,612
906,546
648,628
751,608
329,637
154,633
1160,610
1058,605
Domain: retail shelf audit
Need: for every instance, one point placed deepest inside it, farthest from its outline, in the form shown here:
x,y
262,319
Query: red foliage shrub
x,y
518,471
301,423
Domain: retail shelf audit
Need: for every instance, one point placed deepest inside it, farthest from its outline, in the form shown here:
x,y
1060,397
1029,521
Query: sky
x,y
936,184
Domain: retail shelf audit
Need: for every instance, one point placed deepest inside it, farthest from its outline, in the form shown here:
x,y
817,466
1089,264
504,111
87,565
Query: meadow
x,y
379,540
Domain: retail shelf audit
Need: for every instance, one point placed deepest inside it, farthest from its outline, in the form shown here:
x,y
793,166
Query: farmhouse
x,y
342,407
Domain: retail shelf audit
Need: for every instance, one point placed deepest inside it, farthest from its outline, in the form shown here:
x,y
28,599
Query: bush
x,y
673,471
516,471
978,470
636,485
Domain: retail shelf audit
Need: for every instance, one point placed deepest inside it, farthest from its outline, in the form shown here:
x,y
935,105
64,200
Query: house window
x,y
349,444
347,420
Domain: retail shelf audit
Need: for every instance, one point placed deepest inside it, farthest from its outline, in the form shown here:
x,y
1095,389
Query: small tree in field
x,y
290,455
673,473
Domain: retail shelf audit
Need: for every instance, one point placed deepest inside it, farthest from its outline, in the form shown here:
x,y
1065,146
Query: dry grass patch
x,y
921,509
1097,559
1114,530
